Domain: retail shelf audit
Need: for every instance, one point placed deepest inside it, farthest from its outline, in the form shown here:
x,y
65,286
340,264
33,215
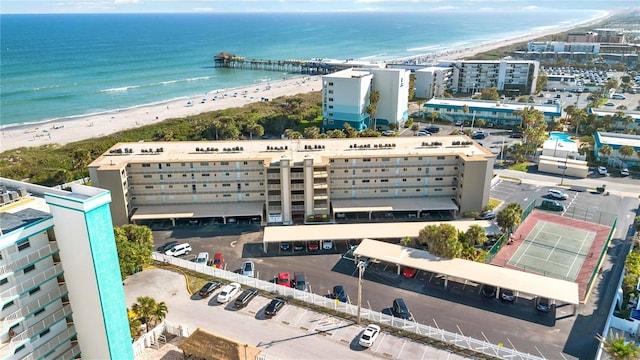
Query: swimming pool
x,y
564,137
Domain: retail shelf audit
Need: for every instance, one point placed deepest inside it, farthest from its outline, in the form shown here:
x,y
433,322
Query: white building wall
x,y
393,85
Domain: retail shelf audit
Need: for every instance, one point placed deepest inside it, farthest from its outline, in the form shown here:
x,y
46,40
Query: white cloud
x,y
203,9
126,2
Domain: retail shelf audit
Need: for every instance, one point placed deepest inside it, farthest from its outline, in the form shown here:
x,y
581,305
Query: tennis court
x,y
555,250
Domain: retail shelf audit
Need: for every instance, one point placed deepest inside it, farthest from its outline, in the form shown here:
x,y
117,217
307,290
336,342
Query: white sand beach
x,y
66,130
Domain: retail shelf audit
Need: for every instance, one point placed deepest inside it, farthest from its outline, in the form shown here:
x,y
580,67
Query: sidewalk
x,y
292,334
632,190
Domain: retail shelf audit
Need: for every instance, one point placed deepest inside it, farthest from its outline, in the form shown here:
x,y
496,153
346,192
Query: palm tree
x,y
374,98
625,151
434,116
415,128
616,347
312,132
578,116
134,323
145,309
160,312
465,110
605,150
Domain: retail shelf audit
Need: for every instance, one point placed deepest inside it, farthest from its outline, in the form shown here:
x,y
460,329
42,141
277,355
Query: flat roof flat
x,y
276,234
608,138
538,285
198,211
393,204
490,104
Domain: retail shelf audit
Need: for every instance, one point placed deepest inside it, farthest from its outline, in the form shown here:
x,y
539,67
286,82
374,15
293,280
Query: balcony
x,y
64,336
31,282
320,186
320,174
29,258
36,328
31,307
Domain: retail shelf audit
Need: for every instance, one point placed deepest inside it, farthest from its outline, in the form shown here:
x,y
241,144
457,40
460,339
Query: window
x,y
330,99
438,179
29,268
404,180
439,168
226,195
204,164
23,244
366,160
331,84
384,180
148,176
44,332
366,170
330,91
440,157
146,165
224,163
206,174
148,187
365,181
437,189
19,348
3,281
7,304
226,185
385,159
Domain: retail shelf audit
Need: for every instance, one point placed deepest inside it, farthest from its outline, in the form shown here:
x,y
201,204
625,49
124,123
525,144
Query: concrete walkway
x,y
294,333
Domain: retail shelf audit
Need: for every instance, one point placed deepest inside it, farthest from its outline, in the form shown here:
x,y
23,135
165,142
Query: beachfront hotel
x,y
60,286
293,181
498,114
511,77
345,98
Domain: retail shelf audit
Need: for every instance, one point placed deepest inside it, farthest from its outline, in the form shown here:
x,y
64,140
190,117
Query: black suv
x,y
167,246
274,306
400,309
208,288
245,298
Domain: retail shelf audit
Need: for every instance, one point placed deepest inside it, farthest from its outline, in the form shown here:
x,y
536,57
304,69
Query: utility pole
x,y
361,266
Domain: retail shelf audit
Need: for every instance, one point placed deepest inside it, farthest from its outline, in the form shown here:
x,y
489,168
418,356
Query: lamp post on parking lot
x,y
564,169
362,264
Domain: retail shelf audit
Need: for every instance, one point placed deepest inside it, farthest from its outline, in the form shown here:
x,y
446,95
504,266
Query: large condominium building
x,y
615,141
346,96
515,77
498,114
611,36
60,287
293,181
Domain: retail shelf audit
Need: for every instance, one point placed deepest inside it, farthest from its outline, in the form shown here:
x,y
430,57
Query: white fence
x,y
445,336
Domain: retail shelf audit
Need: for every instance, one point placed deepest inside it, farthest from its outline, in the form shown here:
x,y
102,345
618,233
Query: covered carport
x,y
415,205
225,211
501,278
335,232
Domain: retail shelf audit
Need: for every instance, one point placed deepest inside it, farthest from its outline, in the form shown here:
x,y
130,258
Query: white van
x,y
203,257
618,97
178,250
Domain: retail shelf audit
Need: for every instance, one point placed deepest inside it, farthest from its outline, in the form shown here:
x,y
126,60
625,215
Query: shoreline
x,y
69,129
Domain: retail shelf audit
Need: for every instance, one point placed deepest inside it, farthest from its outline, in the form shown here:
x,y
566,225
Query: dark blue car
x,y
338,293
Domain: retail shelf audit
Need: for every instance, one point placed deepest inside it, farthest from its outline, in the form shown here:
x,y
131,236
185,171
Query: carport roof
x,y
515,280
198,211
274,234
408,204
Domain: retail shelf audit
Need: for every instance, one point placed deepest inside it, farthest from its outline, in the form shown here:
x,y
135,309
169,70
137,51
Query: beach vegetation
x,y
619,348
542,82
446,241
52,165
148,311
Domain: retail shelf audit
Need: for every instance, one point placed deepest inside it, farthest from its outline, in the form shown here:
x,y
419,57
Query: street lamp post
x,y
361,266
564,169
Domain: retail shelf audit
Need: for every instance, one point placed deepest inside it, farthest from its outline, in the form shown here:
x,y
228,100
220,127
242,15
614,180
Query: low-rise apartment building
x,y
498,114
293,181
61,293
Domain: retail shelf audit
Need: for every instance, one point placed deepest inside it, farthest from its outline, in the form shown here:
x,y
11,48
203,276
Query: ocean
x,y
55,66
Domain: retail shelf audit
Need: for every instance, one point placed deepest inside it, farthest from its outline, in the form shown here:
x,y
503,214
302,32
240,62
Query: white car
x,y
248,269
602,170
228,292
388,133
178,250
422,133
369,335
557,194
327,244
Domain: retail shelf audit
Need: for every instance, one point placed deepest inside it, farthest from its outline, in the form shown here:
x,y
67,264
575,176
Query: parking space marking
x,y
301,316
402,348
384,334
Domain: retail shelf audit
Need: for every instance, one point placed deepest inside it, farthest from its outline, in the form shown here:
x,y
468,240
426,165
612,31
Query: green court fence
x,y
495,248
526,211
602,253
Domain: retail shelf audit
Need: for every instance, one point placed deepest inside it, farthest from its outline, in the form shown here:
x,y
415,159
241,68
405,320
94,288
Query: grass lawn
x,y
521,167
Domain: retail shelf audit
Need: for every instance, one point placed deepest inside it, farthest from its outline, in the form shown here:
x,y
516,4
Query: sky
x,y
226,6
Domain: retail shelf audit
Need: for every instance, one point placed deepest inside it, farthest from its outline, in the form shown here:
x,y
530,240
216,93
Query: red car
x,y
284,279
409,272
218,260
313,246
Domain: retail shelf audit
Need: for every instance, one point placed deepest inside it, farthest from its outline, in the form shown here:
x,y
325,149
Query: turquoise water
x,y
61,65
563,137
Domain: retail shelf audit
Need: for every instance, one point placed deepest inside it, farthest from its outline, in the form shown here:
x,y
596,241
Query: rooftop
x,y
608,138
270,151
491,104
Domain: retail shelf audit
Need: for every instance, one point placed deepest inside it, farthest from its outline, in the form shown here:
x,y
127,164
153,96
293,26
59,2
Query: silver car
x,y
248,269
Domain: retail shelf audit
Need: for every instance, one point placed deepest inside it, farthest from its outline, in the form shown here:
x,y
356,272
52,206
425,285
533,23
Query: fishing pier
x,y
309,67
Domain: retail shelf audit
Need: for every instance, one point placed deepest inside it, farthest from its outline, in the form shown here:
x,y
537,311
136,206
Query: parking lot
x,y
460,308
293,331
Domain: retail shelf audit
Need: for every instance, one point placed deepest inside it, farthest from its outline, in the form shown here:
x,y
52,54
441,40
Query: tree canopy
x,y
135,245
509,217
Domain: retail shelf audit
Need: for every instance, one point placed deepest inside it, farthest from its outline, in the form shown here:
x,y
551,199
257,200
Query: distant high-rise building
x,y
60,285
